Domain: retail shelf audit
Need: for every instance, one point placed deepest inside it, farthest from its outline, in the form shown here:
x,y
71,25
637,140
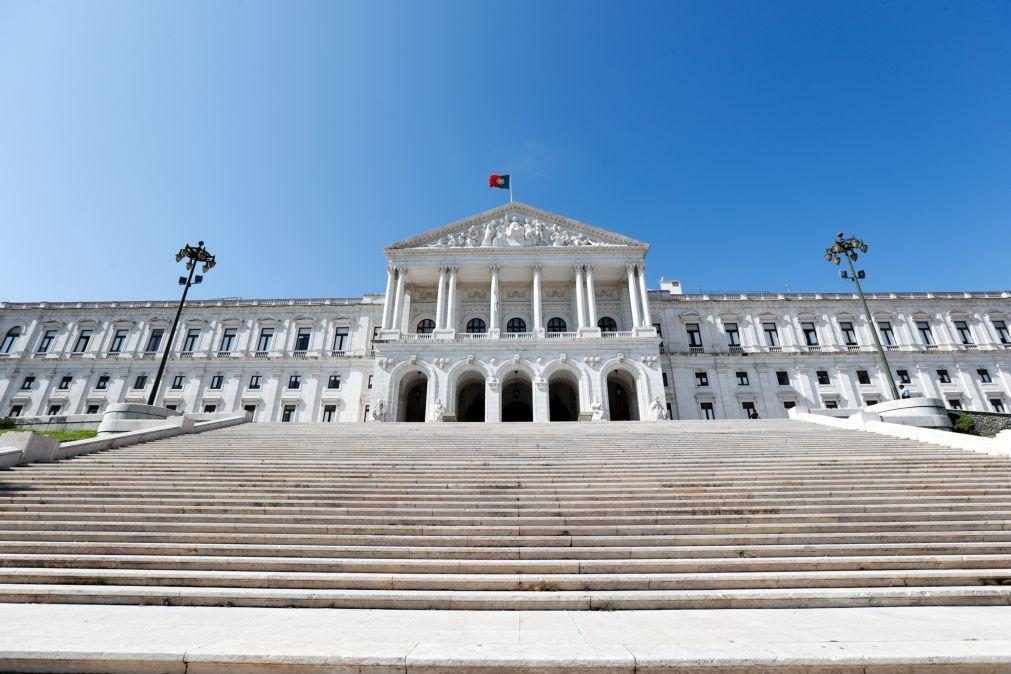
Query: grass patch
x,y
62,436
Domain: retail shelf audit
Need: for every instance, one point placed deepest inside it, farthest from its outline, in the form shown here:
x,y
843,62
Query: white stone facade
x,y
512,314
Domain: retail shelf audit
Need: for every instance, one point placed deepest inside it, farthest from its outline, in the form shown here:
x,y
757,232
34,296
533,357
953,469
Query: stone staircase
x,y
512,516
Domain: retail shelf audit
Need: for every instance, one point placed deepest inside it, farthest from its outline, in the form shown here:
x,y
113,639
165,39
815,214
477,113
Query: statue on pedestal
x,y
379,412
597,411
657,411
439,413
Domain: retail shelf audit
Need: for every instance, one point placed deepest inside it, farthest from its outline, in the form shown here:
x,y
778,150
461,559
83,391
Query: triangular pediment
x,y
516,225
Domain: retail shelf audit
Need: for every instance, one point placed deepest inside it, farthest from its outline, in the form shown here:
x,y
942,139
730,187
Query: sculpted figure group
x,y
503,233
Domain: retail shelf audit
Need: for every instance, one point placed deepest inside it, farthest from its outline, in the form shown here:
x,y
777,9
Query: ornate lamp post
x,y
193,255
850,249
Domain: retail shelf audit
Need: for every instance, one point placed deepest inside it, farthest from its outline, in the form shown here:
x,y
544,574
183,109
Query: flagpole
x,y
510,189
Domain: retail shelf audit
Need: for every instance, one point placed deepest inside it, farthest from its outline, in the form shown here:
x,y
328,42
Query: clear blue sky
x,y
297,138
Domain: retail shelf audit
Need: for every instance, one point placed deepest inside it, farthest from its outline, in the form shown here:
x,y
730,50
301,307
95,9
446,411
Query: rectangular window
x,y
1002,332
707,411
340,339
210,408
102,383
217,381
869,401
926,336
903,376
154,341
250,410
984,376
831,405
329,412
140,381
863,377
172,407
963,332
65,383
749,410
848,333
887,336
295,381
670,412
665,382
694,334
783,378
53,410
375,333
742,379
83,340
370,381
302,339
733,336
228,339
997,404
254,381
266,337
287,413
701,379
118,341
27,384
177,382
334,382
366,418
93,409
190,343
47,341
955,404
943,377
810,334
823,379
789,404
16,410
771,334
659,332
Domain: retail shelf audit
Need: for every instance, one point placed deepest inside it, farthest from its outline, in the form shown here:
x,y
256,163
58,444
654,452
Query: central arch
x,y
563,397
470,397
517,396
413,397
622,396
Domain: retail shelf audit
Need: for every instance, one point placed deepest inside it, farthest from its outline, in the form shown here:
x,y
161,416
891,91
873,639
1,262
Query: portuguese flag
x,y
501,182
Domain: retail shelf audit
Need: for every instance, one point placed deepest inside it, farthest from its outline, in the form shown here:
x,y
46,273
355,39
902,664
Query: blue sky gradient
x,y
299,138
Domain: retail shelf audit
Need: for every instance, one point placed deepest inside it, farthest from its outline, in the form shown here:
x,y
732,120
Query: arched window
x,y
607,324
8,343
556,324
426,326
476,325
516,325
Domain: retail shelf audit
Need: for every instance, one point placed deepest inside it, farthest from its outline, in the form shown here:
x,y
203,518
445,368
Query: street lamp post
x,y
850,249
193,255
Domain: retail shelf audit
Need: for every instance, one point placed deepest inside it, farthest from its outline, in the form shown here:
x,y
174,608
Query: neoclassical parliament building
x,y
514,314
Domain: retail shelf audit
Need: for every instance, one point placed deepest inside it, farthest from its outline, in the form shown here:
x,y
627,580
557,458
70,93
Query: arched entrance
x,y
470,397
563,397
517,396
622,396
411,404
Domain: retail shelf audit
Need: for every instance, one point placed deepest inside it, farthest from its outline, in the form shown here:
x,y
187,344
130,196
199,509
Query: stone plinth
x,y
921,412
123,417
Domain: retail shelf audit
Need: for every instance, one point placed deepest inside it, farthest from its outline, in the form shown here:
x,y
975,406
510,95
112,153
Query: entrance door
x,y
563,398
517,397
622,399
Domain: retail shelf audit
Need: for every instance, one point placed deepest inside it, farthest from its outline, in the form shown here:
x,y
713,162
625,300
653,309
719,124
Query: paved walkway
x,y
194,640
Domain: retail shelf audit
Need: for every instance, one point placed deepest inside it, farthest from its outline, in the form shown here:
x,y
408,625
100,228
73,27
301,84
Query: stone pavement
x,y
194,640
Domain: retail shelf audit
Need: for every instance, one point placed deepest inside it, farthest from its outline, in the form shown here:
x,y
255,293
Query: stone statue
x,y
597,411
657,411
379,412
439,413
489,234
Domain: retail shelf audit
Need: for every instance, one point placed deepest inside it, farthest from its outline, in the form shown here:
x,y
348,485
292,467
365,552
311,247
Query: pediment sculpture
x,y
511,233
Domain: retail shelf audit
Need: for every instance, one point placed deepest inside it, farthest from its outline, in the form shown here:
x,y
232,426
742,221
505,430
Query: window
x,y
707,411
670,411
375,333
16,410
742,379
140,381
266,337
177,382
302,339
370,382
608,324
997,404
249,409
556,324
334,382
47,341
516,325
53,410
217,381
227,339
926,336
65,383
903,376
329,412
477,326
93,409
848,334
295,381
749,410
102,383
943,377
863,377
694,334
254,381
831,405
1002,332
887,336
869,402
340,338
210,408
962,328
771,334
83,340
733,336
287,413
823,379
665,382
701,379
984,376
154,341
426,326
366,415
789,404
28,383
810,334
190,343
955,404
783,378
9,339
118,340
172,407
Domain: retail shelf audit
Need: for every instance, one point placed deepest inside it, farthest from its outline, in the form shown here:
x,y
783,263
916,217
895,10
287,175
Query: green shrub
x,y
964,424
6,423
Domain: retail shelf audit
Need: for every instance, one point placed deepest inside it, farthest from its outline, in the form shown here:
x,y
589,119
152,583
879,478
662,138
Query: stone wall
x,y
988,424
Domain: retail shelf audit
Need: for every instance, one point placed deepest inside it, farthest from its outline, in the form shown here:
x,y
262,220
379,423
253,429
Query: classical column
x,y
493,314
388,299
633,295
647,322
580,304
591,298
538,316
450,322
440,302
398,307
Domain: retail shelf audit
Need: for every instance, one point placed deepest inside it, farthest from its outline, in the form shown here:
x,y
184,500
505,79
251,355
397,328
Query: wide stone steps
x,y
530,516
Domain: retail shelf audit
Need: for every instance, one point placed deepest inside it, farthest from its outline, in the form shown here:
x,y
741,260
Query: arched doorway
x,y
563,397
470,397
411,404
622,396
517,396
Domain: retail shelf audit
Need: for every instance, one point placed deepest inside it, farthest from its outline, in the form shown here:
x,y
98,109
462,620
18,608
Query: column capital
x,y
493,268
588,268
630,268
536,268
453,269
579,268
391,269
401,269
641,267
